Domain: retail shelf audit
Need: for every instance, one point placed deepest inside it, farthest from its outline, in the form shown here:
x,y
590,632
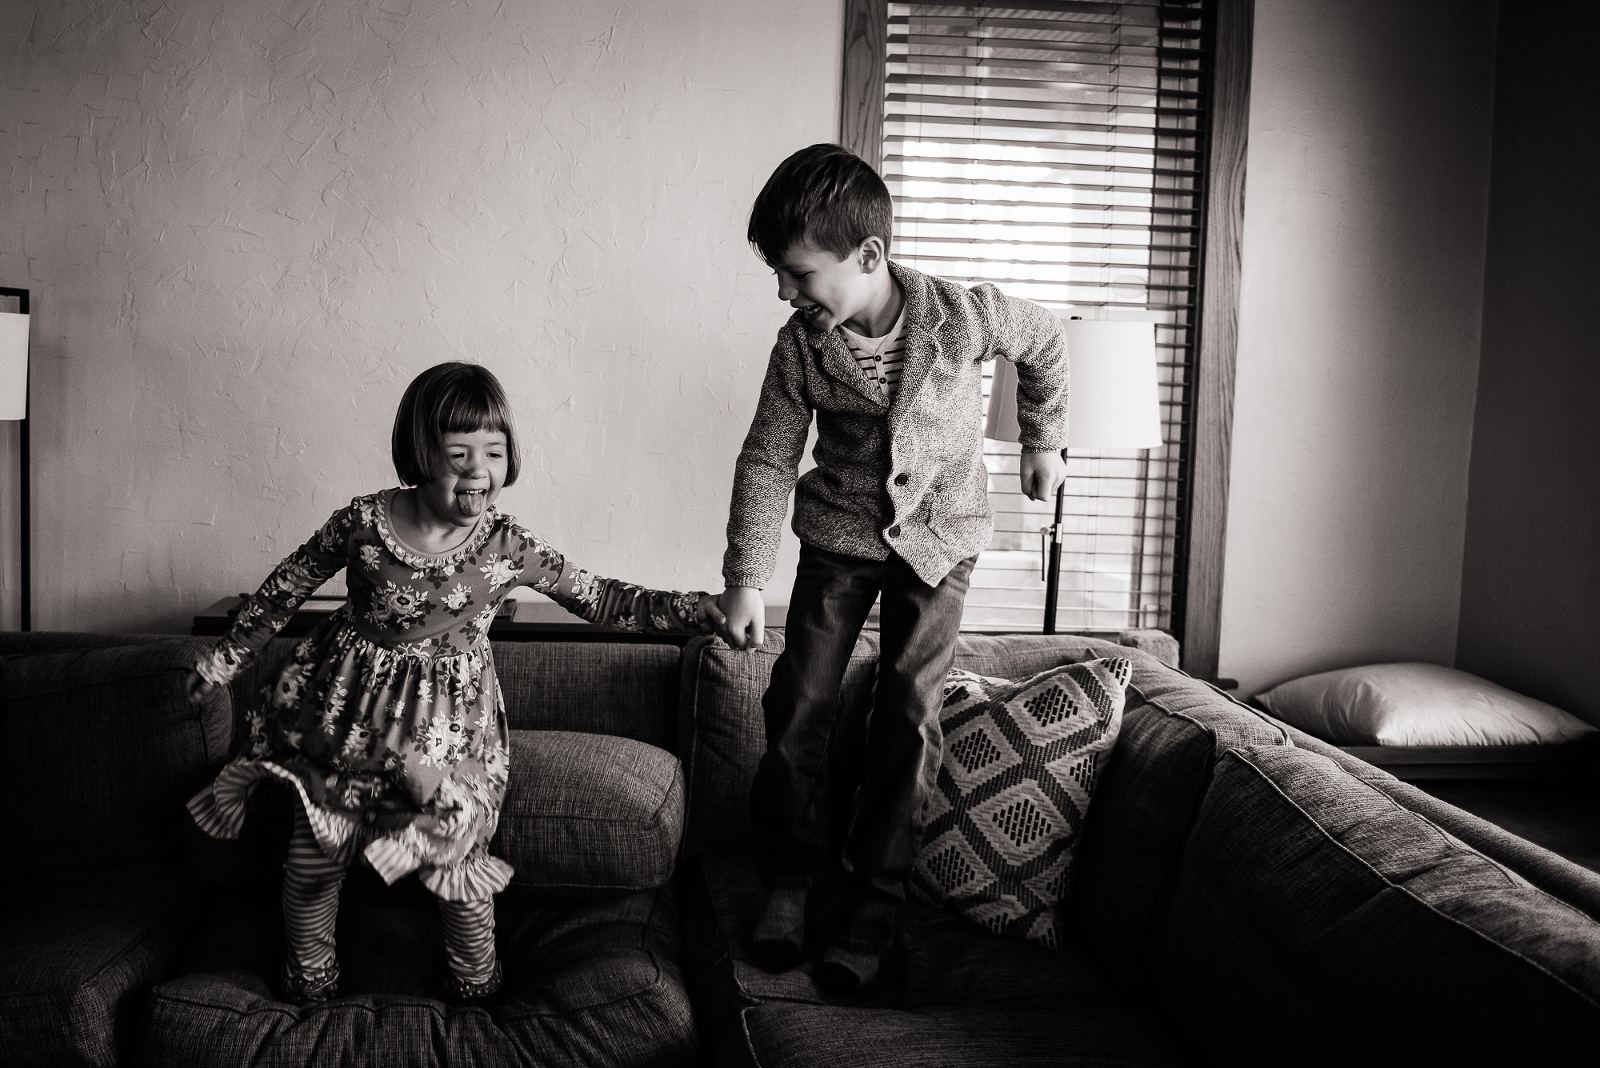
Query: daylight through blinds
x,y
1054,150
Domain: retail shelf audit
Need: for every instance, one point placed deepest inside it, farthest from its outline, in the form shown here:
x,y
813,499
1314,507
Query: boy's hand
x,y
745,617
1042,473
707,616
197,687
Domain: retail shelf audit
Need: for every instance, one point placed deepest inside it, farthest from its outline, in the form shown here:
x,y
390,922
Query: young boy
x,y
891,362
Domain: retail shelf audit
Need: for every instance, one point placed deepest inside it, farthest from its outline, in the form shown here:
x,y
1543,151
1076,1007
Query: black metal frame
x,y
25,465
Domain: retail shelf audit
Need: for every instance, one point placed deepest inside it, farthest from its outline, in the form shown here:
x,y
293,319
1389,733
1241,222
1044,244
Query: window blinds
x,y
1054,150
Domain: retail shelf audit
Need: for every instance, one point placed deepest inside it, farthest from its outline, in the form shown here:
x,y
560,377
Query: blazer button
x,y
894,531
901,479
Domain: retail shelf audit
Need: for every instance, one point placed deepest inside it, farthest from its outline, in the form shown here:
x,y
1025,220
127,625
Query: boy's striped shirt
x,y
880,357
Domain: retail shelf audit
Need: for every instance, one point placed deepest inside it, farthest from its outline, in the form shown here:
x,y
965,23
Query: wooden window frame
x,y
1202,534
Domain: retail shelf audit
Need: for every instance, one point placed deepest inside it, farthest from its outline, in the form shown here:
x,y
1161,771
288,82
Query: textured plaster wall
x,y
1530,583
1366,206
248,225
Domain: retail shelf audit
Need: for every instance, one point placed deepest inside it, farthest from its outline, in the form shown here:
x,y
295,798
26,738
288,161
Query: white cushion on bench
x,y
1417,704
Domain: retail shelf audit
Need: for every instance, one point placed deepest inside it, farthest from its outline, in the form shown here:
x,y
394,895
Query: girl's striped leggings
x,y
311,881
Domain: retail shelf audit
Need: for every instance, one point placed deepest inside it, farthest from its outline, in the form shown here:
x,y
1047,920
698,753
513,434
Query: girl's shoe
x,y
310,986
470,992
780,935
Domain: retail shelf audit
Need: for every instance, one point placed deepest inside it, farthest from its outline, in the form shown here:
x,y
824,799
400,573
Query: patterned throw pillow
x,y
1019,767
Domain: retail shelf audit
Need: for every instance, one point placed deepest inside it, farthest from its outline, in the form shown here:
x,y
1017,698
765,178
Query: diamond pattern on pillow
x,y
1018,771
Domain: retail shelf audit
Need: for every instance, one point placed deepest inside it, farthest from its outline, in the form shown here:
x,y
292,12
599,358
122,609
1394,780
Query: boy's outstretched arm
x,y
763,478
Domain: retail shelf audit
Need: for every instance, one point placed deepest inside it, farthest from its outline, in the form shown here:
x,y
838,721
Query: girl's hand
x,y
707,616
197,687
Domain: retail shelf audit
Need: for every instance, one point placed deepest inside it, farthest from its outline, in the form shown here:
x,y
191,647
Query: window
x,y
1059,150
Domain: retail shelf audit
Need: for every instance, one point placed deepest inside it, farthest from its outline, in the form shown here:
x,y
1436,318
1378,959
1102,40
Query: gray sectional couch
x,y
1241,894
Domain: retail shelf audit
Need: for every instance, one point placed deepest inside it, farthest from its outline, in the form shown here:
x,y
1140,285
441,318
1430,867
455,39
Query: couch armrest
x,y
78,952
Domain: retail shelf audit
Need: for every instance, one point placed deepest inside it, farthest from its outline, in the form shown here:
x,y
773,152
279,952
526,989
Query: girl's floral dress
x,y
388,722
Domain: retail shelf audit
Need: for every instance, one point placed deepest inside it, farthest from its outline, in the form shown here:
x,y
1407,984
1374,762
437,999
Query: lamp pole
x,y
1052,581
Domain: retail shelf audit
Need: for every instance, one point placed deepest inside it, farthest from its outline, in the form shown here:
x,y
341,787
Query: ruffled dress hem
x,y
219,810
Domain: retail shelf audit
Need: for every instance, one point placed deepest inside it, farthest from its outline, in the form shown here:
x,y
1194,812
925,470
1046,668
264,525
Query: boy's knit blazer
x,y
913,483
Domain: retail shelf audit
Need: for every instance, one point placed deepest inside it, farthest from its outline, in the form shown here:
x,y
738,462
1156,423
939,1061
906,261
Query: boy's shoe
x,y
841,971
310,986
780,935
470,992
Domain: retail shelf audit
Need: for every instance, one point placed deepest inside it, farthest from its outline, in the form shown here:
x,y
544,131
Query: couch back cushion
x,y
1314,897
106,748
722,733
629,689
589,815
1174,728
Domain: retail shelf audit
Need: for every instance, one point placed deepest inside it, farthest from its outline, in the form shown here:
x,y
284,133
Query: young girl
x,y
388,722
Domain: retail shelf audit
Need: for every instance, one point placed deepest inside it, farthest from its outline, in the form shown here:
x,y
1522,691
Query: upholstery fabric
x,y
77,953
1108,1032
629,690
1173,730
946,979
1328,901
587,983
1417,704
590,813
33,642
105,746
1014,787
1555,875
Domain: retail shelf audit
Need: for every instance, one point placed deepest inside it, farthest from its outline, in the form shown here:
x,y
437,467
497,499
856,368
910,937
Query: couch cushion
x,y
1326,900
629,690
1417,704
947,979
77,952
587,983
1173,730
590,813
1018,772
722,735
1108,1032
106,747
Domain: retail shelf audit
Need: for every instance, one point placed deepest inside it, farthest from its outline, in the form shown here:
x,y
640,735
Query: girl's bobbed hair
x,y
449,398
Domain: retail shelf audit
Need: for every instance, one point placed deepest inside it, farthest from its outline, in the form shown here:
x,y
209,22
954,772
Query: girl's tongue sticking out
x,y
470,502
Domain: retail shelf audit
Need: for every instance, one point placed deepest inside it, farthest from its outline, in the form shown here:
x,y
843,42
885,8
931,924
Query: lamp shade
x,y
13,366
1114,401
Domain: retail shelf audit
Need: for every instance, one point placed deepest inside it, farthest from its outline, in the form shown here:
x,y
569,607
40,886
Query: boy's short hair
x,y
825,195
449,398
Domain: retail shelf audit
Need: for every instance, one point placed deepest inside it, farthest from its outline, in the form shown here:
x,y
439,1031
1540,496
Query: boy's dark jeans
x,y
791,806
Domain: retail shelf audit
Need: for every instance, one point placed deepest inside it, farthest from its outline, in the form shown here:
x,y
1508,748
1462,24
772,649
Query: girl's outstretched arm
x,y
265,612
612,602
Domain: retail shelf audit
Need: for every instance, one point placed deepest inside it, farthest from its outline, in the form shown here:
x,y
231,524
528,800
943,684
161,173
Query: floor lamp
x,y
14,407
1114,402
